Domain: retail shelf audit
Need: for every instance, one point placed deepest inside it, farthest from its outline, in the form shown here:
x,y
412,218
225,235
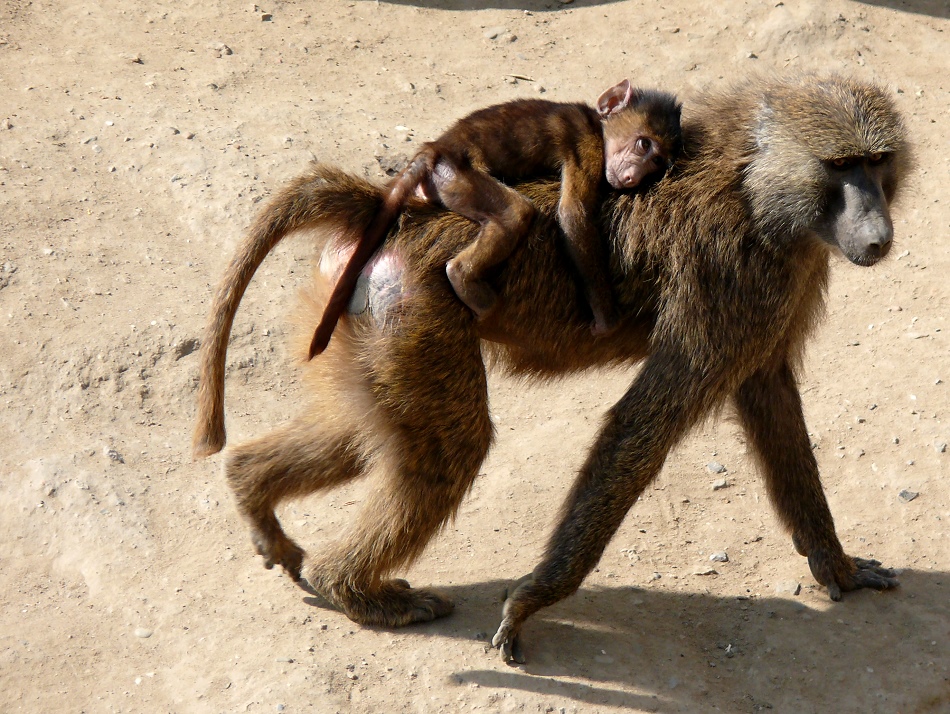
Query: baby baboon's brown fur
x,y
632,134
720,271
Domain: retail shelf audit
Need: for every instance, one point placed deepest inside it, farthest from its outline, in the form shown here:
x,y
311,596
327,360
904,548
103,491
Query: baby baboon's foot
x,y
391,604
477,295
278,549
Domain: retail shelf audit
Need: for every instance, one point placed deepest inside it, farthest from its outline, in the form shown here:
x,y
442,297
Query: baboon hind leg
x,y
293,460
436,403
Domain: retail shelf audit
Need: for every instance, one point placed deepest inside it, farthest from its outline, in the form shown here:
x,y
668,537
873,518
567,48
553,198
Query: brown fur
x,y
631,135
720,272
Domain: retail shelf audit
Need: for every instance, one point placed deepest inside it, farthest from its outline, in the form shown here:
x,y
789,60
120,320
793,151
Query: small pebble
x,y
186,347
492,32
142,632
655,576
714,467
719,484
940,446
705,571
117,457
791,587
719,557
907,496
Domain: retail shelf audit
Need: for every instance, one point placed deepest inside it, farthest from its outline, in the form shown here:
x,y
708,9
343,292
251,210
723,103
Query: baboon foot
x,y
844,574
508,637
278,549
392,603
477,295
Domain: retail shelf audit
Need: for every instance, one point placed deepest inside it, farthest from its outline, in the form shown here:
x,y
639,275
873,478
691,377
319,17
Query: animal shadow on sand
x,y
651,649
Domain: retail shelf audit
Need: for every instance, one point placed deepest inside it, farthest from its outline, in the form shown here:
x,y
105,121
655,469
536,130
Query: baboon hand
x,y
850,574
508,640
508,637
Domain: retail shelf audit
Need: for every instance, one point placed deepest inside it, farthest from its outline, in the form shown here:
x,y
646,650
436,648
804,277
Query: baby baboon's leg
x,y
770,408
293,460
505,216
436,402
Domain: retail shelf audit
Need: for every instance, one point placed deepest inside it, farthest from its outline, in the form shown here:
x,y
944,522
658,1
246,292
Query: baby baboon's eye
x,y
643,145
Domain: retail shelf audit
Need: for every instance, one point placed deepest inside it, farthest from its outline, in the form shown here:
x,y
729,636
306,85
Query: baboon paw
x,y
851,574
508,640
393,604
288,555
429,605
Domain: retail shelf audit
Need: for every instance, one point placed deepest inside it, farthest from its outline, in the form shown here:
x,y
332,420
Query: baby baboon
x,y
720,272
632,134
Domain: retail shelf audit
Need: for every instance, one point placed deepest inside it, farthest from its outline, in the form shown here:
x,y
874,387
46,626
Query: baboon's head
x,y
827,159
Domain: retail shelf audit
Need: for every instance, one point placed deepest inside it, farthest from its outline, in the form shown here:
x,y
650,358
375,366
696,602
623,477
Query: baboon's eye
x,y
843,162
643,145
877,158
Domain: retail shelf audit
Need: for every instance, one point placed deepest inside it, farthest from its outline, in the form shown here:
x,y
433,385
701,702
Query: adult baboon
x,y
719,272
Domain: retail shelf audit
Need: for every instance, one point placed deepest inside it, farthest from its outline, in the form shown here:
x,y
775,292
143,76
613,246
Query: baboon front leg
x,y
291,461
630,450
505,216
770,408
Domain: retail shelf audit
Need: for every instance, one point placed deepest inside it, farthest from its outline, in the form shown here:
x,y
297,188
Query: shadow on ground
x,y
473,5
934,8
632,647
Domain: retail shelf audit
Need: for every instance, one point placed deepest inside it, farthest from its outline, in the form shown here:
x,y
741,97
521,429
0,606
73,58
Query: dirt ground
x,y
136,143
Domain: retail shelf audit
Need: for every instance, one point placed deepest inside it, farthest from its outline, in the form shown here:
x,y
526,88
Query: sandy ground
x,y
136,142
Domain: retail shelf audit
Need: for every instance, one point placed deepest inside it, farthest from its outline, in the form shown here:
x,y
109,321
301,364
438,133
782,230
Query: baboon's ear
x,y
616,98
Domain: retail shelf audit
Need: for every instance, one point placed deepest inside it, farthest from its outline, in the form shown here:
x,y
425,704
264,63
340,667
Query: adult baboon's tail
x,y
325,198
